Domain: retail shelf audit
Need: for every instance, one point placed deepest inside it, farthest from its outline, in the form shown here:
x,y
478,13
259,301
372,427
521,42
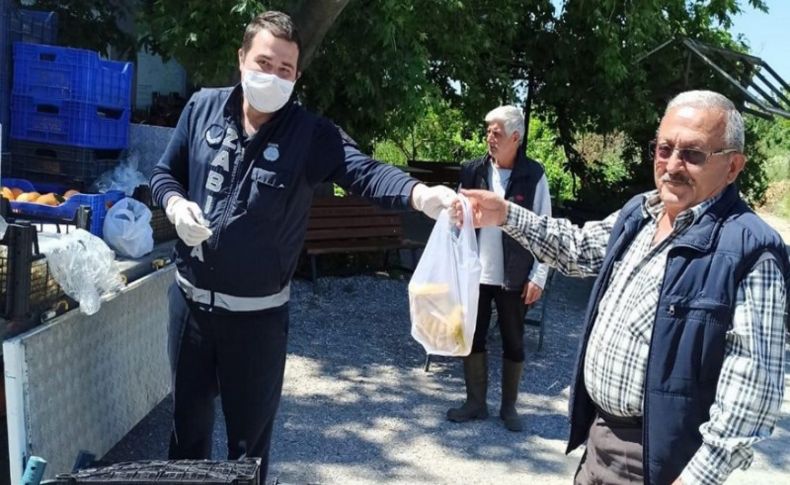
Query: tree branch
x,y
314,19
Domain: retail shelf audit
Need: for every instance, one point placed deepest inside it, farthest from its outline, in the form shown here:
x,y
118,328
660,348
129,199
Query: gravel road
x,y
359,409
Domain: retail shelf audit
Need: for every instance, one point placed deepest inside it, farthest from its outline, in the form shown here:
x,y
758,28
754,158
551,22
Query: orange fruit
x,y
67,195
28,197
51,198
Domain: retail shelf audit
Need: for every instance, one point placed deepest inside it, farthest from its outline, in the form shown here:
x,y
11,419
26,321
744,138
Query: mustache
x,y
676,179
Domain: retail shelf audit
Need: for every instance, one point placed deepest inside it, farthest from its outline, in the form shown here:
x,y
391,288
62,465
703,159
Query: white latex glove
x,y
431,200
186,215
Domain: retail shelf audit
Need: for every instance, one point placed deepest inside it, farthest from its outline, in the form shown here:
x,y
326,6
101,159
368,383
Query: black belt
x,y
630,421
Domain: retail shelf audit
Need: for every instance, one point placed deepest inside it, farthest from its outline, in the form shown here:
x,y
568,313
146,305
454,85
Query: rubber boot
x,y
511,378
476,378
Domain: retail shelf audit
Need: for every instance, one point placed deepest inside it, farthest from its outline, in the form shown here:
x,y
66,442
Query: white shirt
x,y
490,238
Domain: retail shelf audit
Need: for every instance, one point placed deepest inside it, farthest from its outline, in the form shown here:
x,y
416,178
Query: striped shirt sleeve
x,y
574,251
171,175
751,384
541,205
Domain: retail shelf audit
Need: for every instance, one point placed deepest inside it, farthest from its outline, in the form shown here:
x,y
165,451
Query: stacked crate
x,y
19,25
70,113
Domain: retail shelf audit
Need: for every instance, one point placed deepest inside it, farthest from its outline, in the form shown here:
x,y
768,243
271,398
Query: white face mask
x,y
266,92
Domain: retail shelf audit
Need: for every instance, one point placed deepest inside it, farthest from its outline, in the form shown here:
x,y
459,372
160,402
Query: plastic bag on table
x,y
124,177
445,287
84,266
127,228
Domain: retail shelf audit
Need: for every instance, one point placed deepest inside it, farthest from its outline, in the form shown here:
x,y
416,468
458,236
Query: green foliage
x,y
596,79
383,60
753,181
774,143
543,146
202,36
783,208
417,77
440,134
92,24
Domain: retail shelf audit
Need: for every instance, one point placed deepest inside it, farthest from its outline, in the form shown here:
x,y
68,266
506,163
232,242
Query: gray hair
x,y
733,129
511,118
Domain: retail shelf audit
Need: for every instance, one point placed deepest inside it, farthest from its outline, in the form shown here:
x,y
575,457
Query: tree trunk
x,y
314,19
575,161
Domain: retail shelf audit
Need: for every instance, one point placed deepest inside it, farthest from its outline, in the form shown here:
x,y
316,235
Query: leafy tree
x,y
92,24
384,63
205,36
441,134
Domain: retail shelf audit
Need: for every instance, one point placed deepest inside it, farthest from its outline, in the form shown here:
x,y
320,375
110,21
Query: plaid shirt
x,y
751,384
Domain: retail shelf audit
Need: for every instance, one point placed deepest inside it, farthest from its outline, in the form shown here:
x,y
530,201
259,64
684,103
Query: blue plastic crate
x,y
68,74
19,25
65,212
5,68
33,26
69,123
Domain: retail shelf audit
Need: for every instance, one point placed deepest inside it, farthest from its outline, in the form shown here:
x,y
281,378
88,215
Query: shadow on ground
x,y
357,403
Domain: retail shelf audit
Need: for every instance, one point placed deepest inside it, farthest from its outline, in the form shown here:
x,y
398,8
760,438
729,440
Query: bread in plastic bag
x,y
127,228
445,288
84,266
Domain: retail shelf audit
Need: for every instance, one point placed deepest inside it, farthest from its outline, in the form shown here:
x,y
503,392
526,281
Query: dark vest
x,y
695,310
520,190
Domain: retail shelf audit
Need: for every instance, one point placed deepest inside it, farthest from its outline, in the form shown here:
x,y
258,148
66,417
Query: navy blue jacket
x,y
695,310
520,190
256,193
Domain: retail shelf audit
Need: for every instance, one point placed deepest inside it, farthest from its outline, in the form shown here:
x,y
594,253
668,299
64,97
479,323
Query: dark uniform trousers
x,y
510,309
239,357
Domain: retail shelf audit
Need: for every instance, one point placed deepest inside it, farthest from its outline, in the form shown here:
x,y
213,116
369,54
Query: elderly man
x,y
509,276
680,366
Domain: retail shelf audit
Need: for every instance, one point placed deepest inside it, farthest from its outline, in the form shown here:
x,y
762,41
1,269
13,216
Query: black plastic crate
x,y
164,230
60,163
28,291
34,26
181,472
44,291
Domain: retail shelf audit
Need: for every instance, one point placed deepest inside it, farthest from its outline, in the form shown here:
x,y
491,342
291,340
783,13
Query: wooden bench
x,y
353,224
444,173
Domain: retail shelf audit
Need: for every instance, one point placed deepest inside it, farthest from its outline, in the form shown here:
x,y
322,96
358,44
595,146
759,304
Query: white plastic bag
x,y
445,287
84,267
127,228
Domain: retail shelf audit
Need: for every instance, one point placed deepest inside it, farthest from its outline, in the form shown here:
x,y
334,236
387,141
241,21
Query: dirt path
x,y
781,225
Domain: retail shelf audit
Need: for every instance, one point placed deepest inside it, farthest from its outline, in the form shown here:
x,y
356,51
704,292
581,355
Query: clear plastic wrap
x,y
84,266
445,287
124,177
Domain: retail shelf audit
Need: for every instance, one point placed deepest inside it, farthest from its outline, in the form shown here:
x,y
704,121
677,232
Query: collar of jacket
x,y
520,165
702,234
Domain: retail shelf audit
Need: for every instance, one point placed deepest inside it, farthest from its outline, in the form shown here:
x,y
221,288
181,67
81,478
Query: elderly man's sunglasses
x,y
664,151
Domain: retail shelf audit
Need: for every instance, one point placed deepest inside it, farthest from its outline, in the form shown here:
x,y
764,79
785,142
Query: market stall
x,y
80,371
